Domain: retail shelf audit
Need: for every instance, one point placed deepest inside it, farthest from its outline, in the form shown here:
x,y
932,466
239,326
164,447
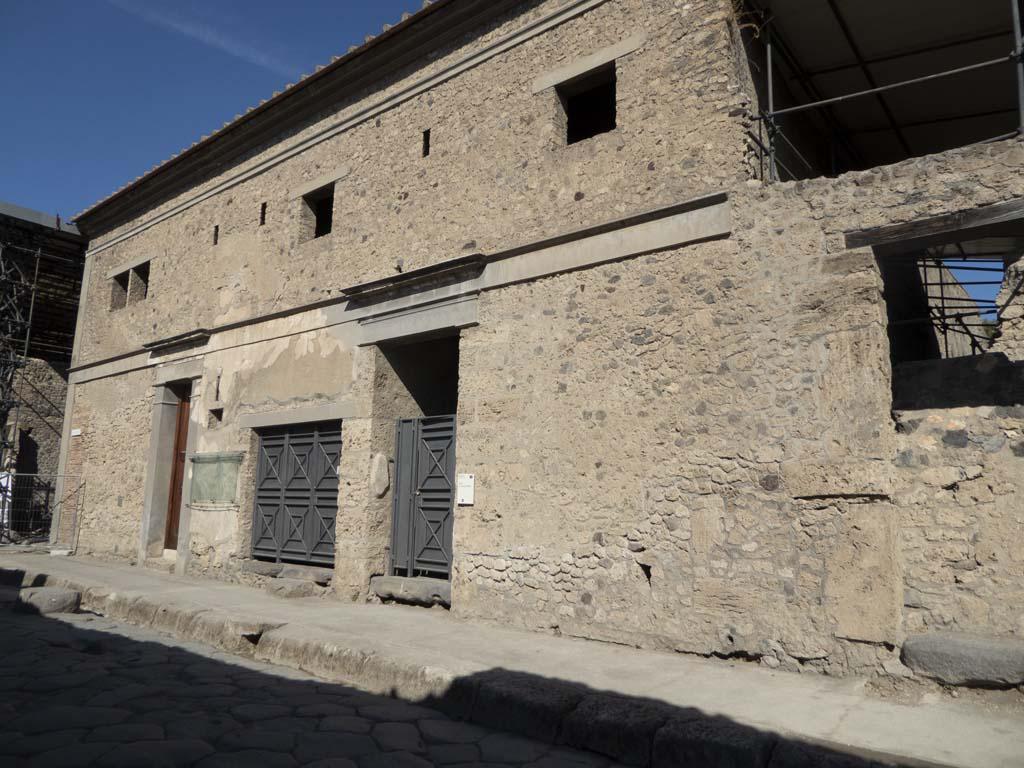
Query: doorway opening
x,y
417,385
183,392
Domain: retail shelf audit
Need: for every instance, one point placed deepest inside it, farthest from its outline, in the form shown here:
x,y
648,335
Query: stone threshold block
x,y
411,590
957,658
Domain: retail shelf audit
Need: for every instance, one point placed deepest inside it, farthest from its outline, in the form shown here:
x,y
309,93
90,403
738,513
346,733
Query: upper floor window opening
x,y
589,103
129,286
318,212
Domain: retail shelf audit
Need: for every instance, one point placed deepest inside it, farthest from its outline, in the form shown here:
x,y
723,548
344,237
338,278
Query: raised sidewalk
x,y
641,707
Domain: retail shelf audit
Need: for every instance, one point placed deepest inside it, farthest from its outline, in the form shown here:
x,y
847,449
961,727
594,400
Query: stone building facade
x,y
677,423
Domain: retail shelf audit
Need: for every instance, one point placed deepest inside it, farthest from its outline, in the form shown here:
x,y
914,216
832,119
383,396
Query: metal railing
x,y
29,503
770,133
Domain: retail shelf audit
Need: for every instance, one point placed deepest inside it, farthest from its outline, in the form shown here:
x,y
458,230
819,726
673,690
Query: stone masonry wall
x,y
41,387
115,416
695,450
499,173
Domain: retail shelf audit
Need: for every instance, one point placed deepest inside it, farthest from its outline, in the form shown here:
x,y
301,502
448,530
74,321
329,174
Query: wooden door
x,y
177,469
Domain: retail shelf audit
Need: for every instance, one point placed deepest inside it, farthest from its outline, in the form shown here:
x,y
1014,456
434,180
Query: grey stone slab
x,y
289,588
346,723
401,737
249,758
12,744
395,711
959,658
257,738
446,754
71,756
332,762
290,724
451,732
712,742
46,600
414,591
126,732
251,711
207,728
316,746
505,748
620,727
324,709
394,760
69,716
156,754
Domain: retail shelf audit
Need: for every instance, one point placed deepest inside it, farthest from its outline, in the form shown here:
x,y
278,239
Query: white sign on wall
x,y
464,487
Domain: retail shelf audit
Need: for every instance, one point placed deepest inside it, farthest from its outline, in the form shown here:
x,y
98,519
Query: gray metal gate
x,y
297,493
421,538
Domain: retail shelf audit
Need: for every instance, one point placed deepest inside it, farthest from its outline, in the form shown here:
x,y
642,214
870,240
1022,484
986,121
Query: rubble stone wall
x,y
40,387
499,173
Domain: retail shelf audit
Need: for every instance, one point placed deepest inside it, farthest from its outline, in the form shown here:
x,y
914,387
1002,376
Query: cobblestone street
x,y
83,690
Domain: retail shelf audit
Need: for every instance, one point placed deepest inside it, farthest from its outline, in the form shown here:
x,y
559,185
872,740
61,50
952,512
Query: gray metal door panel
x,y
297,493
424,496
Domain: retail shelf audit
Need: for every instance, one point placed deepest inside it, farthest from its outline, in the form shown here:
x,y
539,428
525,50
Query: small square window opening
x,y
319,211
119,291
138,283
589,104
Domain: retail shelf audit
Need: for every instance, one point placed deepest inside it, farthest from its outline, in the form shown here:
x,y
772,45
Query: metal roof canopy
x,y
854,84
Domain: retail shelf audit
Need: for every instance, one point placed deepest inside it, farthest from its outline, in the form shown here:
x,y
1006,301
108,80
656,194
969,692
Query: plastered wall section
x,y
694,450
499,173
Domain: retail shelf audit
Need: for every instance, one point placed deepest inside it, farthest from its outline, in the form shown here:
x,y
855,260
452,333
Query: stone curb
x,y
634,732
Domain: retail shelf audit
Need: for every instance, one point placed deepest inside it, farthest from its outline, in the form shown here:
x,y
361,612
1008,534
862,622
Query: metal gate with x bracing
x,y
421,539
297,493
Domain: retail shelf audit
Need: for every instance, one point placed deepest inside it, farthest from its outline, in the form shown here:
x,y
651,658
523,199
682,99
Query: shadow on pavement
x,y
80,689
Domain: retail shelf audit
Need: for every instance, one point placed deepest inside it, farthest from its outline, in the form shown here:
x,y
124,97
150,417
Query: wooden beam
x,y
1001,213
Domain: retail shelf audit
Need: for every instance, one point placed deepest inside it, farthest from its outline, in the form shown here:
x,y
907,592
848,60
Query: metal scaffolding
x,y
770,136
18,281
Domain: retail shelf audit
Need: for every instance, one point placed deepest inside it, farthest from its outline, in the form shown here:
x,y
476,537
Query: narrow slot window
x,y
263,214
216,233
426,143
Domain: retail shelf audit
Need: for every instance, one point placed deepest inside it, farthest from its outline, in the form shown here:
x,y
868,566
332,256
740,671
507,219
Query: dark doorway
x,y
184,394
420,386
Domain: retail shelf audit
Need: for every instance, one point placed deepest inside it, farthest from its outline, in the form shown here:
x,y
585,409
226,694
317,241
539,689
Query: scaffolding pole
x,y
1018,52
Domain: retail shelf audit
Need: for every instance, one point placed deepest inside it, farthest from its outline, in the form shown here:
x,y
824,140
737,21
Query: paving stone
x,y
793,754
320,745
394,760
324,709
347,723
290,724
569,759
332,762
396,711
12,744
126,732
451,731
257,739
155,754
250,758
506,748
69,717
398,737
259,711
62,681
446,754
71,756
125,693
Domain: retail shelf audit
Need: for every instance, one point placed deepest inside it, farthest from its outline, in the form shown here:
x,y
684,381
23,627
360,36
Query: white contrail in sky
x,y
207,35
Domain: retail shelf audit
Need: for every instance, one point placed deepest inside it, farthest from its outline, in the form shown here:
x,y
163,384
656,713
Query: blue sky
x,y
96,92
